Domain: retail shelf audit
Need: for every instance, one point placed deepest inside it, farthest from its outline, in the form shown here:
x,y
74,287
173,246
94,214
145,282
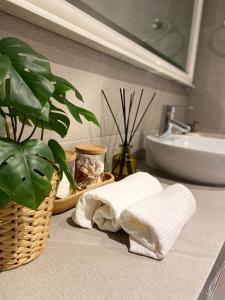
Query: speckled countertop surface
x,y
90,264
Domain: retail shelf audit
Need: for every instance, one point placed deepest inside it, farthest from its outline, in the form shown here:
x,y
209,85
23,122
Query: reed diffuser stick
x,y
138,107
123,100
129,112
149,104
113,116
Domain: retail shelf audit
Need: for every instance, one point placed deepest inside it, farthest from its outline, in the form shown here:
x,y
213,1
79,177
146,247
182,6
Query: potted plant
x,y
31,97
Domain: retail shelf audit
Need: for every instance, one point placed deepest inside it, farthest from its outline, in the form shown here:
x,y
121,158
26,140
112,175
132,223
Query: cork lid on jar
x,y
91,149
70,155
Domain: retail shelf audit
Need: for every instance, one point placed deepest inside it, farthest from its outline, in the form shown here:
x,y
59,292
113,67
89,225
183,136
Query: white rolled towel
x,y
104,204
155,222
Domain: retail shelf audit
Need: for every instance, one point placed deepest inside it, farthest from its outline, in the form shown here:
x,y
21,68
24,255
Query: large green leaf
x,y
55,108
88,115
26,86
41,87
25,172
4,197
58,122
23,56
73,110
77,111
63,86
60,159
20,96
2,89
4,66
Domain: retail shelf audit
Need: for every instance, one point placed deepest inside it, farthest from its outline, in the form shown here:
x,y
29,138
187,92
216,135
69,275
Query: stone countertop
x,y
90,264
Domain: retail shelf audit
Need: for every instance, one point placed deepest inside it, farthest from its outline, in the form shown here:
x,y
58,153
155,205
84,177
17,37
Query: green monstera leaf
x,y
62,86
4,66
23,82
77,111
27,84
60,159
25,172
58,121
23,56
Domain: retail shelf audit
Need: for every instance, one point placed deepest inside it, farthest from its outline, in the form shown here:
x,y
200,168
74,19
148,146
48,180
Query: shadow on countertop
x,y
121,236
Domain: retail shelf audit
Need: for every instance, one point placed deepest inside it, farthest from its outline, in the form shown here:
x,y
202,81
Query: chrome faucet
x,y
168,122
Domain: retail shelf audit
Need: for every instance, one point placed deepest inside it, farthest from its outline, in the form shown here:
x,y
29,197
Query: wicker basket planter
x,y
24,232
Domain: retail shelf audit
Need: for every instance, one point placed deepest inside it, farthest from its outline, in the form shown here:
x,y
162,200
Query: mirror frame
x,y
69,21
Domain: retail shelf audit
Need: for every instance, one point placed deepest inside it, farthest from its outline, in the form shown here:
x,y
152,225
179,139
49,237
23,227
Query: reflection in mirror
x,y
161,26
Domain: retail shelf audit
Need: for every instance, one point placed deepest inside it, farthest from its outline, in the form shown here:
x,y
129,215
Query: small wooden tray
x,y
61,205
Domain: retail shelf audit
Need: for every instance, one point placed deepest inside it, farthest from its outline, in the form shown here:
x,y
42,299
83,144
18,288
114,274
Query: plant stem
x,y
22,128
113,115
7,129
42,130
33,131
150,102
15,123
12,122
135,118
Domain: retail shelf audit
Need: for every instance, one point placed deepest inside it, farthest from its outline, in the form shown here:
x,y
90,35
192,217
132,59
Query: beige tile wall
x,y
91,71
208,97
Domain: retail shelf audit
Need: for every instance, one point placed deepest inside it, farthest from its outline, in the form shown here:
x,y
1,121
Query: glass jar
x,y
123,163
70,159
89,170
64,189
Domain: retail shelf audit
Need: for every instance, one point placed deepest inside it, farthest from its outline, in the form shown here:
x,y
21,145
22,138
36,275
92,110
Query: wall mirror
x,y
163,27
160,36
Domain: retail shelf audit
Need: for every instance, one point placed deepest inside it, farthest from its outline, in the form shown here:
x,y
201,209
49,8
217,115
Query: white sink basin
x,y
195,158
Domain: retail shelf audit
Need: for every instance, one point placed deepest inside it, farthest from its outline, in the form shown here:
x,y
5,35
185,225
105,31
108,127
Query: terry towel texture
x,y
155,222
104,205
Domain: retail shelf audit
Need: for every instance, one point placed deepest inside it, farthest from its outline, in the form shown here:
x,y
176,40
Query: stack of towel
x,y
152,216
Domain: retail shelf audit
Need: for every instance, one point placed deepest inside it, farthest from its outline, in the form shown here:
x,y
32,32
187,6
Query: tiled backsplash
x,y
91,71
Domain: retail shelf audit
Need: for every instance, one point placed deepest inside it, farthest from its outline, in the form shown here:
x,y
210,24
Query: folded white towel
x,y
104,204
155,222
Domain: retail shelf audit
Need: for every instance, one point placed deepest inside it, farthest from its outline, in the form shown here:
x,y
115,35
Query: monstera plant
x,y
32,97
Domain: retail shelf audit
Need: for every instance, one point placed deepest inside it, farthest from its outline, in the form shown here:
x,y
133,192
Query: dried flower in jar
x,y
89,165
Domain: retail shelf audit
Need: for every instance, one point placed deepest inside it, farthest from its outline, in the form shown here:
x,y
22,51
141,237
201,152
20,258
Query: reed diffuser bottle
x,y
125,163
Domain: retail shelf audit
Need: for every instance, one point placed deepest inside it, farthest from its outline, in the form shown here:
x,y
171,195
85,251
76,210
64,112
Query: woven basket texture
x,y
23,231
